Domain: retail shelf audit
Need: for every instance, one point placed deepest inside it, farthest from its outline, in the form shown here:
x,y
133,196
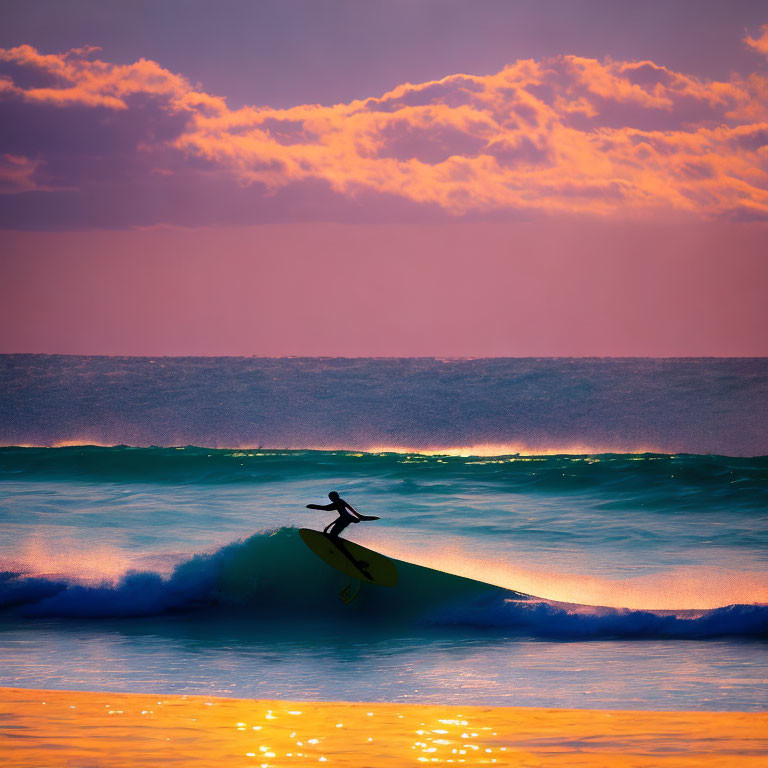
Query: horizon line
x,y
448,358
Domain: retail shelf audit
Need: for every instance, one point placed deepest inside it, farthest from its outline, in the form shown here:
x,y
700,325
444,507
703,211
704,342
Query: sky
x,y
469,179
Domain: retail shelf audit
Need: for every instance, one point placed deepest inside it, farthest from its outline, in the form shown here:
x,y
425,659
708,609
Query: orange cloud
x,y
73,79
568,135
759,43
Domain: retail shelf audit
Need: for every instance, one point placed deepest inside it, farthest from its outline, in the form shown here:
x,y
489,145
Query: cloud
x,y
17,174
759,43
102,144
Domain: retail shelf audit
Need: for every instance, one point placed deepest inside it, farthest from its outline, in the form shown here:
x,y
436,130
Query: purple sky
x,y
337,178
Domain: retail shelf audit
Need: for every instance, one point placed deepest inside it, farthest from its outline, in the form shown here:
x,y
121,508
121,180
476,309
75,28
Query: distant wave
x,y
658,481
274,577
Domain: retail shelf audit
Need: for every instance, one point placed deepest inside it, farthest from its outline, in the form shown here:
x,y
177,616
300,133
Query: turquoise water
x,y
598,580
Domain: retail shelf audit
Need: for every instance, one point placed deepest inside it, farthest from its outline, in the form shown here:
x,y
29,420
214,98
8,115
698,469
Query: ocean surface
x,y
568,533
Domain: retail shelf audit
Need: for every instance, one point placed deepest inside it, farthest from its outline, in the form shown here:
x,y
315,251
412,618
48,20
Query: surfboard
x,y
360,563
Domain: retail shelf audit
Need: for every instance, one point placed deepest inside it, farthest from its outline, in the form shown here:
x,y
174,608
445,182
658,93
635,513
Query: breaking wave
x,y
273,576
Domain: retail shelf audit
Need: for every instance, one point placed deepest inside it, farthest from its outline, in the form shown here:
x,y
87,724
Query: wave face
x,y
702,406
275,577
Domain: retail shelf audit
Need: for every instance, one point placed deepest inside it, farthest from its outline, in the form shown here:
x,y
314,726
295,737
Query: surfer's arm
x,y
324,507
354,512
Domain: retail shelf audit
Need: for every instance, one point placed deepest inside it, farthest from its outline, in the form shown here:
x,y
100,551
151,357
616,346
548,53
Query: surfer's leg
x,y
361,564
336,527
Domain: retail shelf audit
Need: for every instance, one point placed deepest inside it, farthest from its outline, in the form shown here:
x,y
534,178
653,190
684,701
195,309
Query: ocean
x,y
567,532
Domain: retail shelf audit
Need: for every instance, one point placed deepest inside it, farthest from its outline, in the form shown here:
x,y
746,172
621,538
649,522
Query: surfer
x,y
347,514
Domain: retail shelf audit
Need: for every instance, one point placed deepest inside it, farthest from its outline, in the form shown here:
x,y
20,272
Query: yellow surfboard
x,y
357,562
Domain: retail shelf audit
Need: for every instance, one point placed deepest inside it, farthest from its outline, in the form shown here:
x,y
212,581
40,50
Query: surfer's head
x,y
333,495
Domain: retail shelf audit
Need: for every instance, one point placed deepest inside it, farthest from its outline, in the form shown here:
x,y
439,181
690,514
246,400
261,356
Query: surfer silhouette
x,y
347,514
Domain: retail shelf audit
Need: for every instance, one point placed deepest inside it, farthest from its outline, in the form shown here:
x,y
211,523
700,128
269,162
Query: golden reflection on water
x,y
62,728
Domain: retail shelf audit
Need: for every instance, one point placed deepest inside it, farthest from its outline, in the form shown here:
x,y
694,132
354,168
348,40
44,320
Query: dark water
x,y
704,406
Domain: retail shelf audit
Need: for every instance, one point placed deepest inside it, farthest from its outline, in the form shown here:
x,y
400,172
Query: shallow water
x,y
438,667
71,727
